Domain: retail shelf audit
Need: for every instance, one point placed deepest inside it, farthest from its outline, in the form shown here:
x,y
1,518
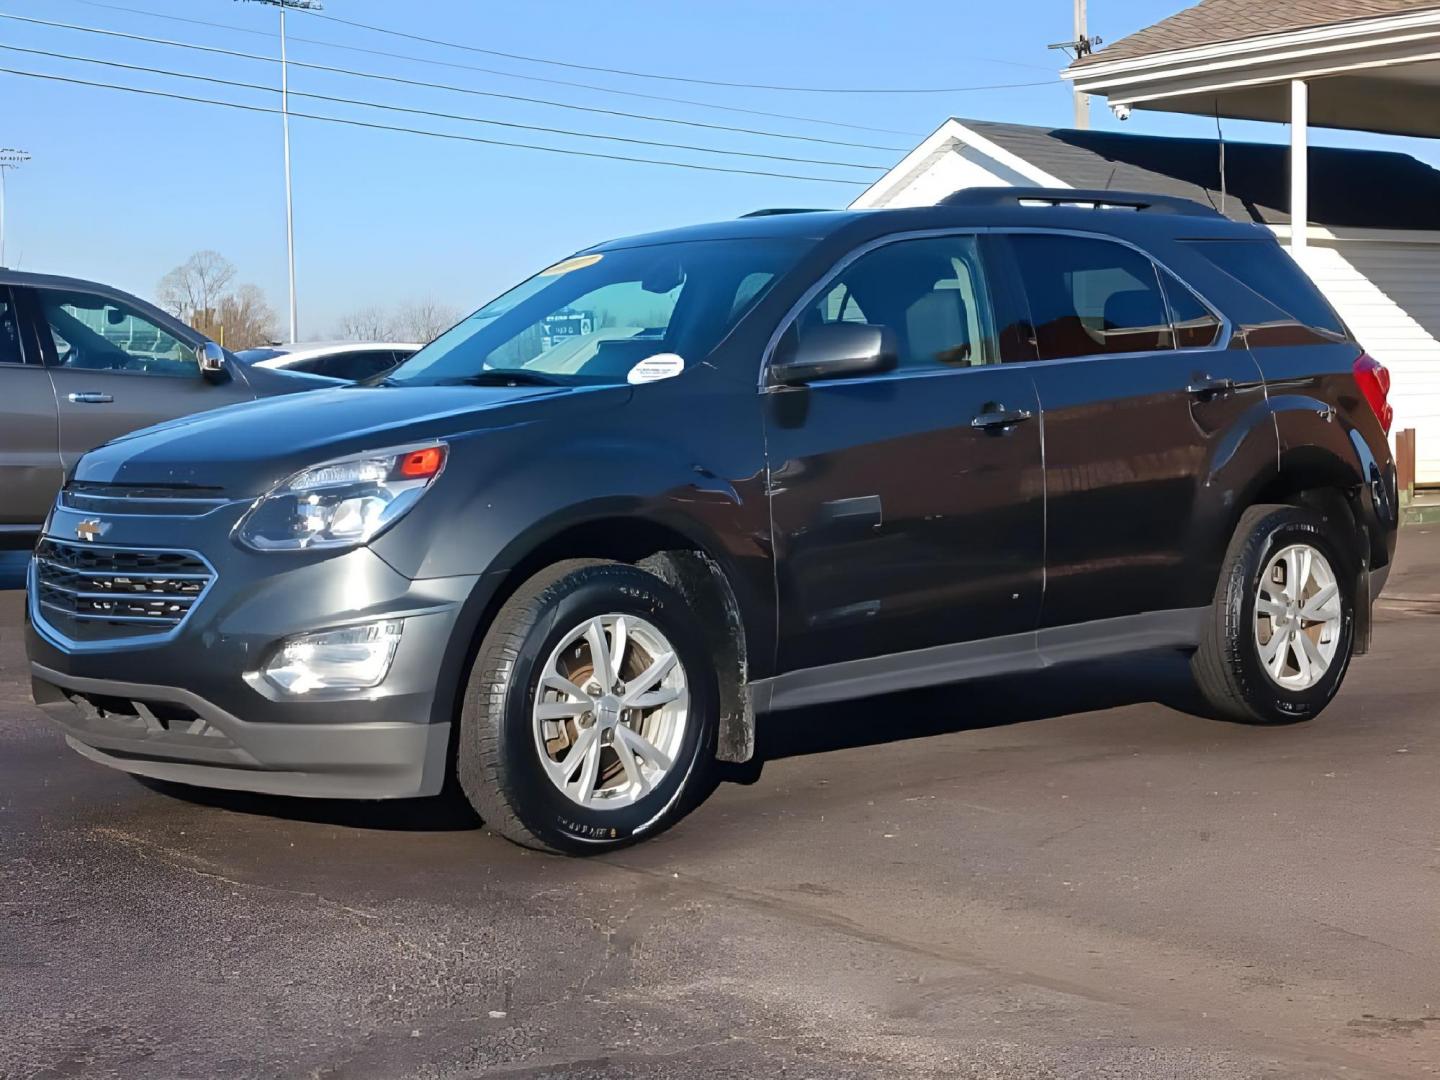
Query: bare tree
x,y
194,289
245,319
371,323
424,320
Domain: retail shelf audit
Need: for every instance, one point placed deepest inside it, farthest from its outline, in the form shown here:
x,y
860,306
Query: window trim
x,y
1226,332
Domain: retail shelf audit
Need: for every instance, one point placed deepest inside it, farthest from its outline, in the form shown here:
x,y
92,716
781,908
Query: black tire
x,y
1227,666
497,762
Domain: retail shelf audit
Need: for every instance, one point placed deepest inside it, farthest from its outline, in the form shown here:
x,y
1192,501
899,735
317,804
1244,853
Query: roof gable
x,y
1212,22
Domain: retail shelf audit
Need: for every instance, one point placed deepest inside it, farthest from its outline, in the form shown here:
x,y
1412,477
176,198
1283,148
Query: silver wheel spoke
x,y
559,710
1276,664
1266,606
1302,660
647,679
1271,647
1318,608
627,760
642,746
1313,657
619,638
600,654
589,768
654,698
576,757
556,681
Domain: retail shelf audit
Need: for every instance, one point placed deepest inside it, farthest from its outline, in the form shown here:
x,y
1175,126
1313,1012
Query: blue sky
x,y
123,187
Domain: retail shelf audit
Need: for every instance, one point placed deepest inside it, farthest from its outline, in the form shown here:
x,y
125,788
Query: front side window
x,y
1090,297
593,318
929,293
95,333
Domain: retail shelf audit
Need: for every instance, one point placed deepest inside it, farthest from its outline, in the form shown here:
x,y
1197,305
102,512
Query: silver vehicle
x,y
83,363
349,360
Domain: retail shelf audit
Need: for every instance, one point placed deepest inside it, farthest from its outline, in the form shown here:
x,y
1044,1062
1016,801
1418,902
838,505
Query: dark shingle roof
x,y
1376,189
1213,21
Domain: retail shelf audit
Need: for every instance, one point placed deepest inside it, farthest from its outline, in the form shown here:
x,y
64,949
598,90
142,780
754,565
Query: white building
x,y
1374,236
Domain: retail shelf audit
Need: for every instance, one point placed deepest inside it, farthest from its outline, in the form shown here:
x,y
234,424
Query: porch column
x,y
1299,165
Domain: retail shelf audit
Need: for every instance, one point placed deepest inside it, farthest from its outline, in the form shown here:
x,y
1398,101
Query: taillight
x,y
1374,383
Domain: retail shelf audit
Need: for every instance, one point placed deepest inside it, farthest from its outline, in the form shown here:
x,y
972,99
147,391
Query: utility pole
x,y
10,158
1082,46
282,5
1082,101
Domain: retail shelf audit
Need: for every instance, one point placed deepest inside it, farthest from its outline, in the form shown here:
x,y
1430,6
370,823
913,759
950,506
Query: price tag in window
x,y
665,365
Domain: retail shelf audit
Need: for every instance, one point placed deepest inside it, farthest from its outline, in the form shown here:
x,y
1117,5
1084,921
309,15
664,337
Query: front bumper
x,y
191,707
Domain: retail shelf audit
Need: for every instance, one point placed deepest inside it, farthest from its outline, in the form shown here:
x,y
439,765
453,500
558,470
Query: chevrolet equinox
x,y
567,552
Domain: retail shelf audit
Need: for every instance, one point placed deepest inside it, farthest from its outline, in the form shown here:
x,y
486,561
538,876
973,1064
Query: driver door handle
x,y
90,397
1001,418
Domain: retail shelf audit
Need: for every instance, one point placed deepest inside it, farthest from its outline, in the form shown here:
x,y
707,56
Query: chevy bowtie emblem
x,y
91,529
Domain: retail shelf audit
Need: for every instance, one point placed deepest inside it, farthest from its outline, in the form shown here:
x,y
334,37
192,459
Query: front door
x,y
115,370
907,507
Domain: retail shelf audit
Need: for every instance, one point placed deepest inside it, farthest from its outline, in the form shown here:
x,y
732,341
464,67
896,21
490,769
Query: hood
x,y
246,449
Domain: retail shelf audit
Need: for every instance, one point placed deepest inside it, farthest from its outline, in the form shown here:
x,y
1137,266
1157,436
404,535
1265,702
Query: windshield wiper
x,y
505,377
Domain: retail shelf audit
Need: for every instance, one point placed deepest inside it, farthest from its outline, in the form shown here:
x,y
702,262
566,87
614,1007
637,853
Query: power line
x,y
432,134
216,50
667,98
439,115
674,78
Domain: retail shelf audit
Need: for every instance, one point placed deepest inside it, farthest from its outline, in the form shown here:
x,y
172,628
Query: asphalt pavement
x,y
1073,875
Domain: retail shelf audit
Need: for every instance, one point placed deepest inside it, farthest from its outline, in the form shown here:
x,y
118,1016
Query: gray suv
x,y
81,364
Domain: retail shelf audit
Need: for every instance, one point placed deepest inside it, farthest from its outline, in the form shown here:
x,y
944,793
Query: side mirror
x,y
211,358
834,351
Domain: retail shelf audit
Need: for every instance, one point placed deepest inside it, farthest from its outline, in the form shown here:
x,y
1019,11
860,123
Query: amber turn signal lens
x,y
422,464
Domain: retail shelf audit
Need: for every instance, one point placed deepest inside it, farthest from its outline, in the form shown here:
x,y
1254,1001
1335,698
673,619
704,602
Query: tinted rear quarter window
x,y
1263,268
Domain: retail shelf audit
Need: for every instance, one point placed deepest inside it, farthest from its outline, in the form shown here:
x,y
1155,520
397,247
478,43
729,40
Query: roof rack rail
x,y
772,211
1090,198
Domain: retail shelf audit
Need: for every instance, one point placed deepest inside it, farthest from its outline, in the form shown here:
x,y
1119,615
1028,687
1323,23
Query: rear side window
x,y
1090,297
1263,268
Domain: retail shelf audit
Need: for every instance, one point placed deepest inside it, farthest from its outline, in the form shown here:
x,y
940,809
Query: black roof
x,y
1376,189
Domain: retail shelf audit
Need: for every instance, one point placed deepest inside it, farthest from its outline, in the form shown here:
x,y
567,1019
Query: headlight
x,y
341,503
355,658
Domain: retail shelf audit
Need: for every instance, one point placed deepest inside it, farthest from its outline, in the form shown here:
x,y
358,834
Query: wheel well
x,y
677,560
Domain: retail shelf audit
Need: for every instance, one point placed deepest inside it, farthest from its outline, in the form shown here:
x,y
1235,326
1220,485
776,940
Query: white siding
x,y
1389,294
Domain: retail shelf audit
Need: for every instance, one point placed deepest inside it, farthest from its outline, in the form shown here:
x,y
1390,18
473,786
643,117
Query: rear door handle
x,y
1001,417
90,397
1206,387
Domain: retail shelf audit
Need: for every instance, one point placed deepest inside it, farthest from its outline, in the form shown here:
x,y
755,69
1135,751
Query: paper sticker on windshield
x,y
577,263
665,365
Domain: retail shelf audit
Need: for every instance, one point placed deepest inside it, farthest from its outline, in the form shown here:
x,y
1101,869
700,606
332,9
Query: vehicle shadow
x,y
446,812
1160,677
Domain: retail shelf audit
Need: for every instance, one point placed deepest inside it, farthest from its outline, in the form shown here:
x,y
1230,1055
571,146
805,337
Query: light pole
x,y
303,5
10,158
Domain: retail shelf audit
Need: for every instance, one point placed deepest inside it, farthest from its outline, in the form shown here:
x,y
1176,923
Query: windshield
x,y
593,318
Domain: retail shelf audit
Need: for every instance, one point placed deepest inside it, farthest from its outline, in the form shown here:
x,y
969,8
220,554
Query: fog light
x,y
355,658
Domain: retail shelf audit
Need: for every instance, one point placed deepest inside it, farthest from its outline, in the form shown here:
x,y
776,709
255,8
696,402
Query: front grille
x,y
176,500
95,593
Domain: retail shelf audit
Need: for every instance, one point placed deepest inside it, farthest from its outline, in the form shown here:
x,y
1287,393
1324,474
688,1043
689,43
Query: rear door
x,y
30,470
906,512
116,369
1139,389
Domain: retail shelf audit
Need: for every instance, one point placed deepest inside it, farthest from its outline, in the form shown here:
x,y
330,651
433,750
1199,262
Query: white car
x,y
350,360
